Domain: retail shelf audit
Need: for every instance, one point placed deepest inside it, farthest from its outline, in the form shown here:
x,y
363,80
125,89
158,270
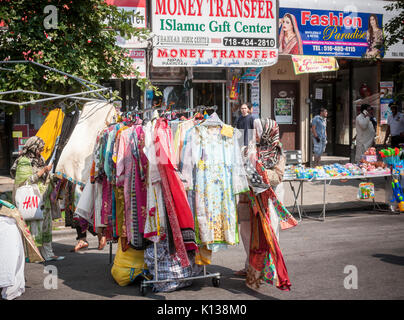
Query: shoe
x,y
80,246
102,243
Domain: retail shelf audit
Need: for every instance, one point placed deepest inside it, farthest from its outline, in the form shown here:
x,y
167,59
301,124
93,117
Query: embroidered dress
x,y
213,169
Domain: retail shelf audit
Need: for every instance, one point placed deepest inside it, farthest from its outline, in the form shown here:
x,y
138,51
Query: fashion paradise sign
x,y
330,33
213,33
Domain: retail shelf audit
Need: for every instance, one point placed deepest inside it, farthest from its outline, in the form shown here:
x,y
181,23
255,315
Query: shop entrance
x,y
210,94
285,110
324,97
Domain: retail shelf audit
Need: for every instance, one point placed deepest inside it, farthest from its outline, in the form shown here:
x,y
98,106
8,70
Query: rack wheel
x,y
143,289
216,282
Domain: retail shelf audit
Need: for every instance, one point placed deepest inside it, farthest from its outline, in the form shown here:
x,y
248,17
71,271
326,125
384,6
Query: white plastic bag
x,y
29,202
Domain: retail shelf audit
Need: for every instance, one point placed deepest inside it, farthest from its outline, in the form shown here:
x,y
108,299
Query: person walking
x,y
319,132
395,126
246,122
365,131
30,168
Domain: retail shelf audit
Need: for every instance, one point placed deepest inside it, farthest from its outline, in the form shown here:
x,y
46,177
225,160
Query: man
x,y
319,132
365,131
395,126
246,122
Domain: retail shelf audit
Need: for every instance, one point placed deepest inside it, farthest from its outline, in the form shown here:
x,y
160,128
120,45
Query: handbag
x,y
29,202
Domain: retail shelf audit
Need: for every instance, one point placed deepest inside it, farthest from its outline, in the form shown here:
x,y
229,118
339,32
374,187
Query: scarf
x,y
31,151
270,147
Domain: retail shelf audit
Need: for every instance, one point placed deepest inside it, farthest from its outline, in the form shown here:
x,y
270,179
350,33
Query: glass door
x,y
210,94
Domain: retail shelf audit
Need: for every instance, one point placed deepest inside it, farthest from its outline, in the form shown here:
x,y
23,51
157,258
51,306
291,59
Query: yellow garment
x,y
50,130
128,265
203,256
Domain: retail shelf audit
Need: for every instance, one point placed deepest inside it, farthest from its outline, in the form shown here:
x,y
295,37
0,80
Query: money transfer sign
x,y
214,32
330,33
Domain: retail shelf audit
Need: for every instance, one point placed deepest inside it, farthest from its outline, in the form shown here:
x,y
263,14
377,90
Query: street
x,y
322,259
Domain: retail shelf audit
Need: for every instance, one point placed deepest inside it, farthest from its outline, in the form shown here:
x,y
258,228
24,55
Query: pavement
x,y
321,257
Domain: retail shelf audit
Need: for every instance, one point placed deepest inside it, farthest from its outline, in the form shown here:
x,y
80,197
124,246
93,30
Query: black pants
x,y
396,140
83,234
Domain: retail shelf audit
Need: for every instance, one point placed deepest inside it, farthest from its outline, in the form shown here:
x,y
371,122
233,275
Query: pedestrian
x,y
30,168
246,122
395,126
267,149
365,131
319,132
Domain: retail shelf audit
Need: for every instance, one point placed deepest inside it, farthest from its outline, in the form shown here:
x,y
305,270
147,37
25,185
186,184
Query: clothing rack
x,y
145,283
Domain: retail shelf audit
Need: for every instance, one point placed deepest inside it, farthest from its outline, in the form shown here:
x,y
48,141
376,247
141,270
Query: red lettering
x,y
253,7
172,52
183,53
199,2
260,9
232,54
247,9
249,54
269,10
222,53
230,10
215,52
264,54
257,54
239,9
240,54
192,53
201,53
324,20
26,203
161,7
182,5
219,7
305,16
169,7
162,53
272,54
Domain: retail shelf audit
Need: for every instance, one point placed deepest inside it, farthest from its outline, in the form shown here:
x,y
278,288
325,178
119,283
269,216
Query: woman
x,y
290,41
14,237
260,219
30,168
374,37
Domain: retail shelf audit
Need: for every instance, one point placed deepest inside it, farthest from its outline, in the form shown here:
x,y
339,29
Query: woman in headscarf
x,y
261,212
290,41
30,168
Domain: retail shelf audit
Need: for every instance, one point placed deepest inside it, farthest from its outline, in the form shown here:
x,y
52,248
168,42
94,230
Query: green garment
x,y
40,229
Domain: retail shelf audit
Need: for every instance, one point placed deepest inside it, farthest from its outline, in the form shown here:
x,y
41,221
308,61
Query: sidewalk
x,y
340,199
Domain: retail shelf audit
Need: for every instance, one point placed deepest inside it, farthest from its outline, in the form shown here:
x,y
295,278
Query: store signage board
x,y
328,33
211,33
310,64
135,6
251,74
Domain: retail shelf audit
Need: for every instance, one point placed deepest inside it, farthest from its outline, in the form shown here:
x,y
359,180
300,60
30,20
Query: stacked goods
x,y
370,155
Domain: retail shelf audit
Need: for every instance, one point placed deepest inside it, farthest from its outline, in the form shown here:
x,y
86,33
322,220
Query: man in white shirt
x,y
365,131
395,127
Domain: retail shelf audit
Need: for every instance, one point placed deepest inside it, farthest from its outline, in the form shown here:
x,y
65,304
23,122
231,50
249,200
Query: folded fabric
x,y
77,156
50,131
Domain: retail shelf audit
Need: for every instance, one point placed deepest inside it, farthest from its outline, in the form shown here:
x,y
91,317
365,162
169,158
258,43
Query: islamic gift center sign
x,y
214,33
330,33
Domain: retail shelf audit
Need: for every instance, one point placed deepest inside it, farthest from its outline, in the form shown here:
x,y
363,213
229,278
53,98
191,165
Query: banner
x,y
135,6
192,57
307,64
330,33
224,30
386,97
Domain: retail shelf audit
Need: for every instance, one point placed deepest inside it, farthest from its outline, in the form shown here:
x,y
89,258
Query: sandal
x,y
80,245
102,243
241,273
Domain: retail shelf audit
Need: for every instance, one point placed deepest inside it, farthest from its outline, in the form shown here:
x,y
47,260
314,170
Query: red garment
x,y
178,209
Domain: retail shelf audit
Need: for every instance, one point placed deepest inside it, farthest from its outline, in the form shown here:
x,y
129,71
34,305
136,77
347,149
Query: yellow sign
x,y
306,64
17,134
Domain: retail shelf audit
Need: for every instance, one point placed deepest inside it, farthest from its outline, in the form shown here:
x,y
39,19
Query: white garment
x,y
77,156
86,203
365,135
396,124
12,259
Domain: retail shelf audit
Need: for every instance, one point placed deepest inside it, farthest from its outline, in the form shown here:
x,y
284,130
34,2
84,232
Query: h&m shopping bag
x,y
29,202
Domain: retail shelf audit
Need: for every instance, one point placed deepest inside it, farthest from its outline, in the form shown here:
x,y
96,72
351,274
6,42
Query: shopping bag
x,y
29,202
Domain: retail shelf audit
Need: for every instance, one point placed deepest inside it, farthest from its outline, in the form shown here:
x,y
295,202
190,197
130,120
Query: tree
x,y
77,37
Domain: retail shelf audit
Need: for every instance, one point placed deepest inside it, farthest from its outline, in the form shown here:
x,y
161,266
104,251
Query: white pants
x,y
12,259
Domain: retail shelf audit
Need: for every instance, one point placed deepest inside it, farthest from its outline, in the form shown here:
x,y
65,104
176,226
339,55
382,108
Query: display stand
x,y
321,217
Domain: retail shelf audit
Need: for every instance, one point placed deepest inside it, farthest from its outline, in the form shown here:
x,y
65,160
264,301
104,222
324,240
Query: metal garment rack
x,y
146,283
55,96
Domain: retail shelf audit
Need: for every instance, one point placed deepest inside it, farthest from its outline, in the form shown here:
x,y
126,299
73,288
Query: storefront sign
x,y
251,74
134,6
309,64
329,33
191,57
386,97
255,97
283,110
139,60
226,32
